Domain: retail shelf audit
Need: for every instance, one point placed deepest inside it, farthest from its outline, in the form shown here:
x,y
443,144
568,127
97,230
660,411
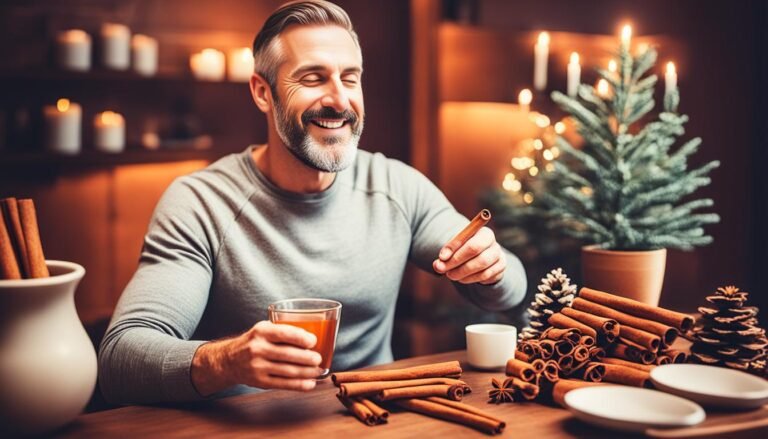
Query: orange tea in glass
x,y
318,316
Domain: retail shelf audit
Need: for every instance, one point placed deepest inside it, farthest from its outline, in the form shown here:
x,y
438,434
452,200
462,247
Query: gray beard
x,y
331,154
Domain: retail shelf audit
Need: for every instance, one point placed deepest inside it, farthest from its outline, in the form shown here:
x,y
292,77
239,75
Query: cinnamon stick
x,y
626,352
9,267
587,340
564,386
676,356
10,208
464,407
682,322
662,360
528,391
452,414
369,387
359,410
551,372
632,364
667,333
381,414
530,348
477,223
606,328
565,363
596,353
629,376
563,347
643,338
580,353
453,392
35,257
593,372
519,355
552,333
560,320
539,365
546,349
451,369
520,369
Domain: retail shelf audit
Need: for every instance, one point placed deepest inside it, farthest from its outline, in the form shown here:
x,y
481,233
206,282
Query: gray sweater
x,y
224,243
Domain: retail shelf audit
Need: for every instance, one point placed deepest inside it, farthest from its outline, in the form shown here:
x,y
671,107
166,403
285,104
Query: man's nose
x,y
335,96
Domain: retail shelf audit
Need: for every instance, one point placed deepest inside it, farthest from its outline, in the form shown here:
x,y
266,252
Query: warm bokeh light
x,y
62,105
626,34
541,120
538,144
549,167
559,127
109,117
671,67
528,198
574,58
543,38
555,151
602,88
612,66
548,155
533,170
525,97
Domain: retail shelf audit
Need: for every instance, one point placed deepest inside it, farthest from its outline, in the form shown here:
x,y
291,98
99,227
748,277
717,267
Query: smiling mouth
x,y
330,124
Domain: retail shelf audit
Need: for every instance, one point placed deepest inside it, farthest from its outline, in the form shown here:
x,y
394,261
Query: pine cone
x,y
555,292
727,334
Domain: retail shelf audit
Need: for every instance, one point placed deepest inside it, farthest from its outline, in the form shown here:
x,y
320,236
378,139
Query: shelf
x,y
20,165
98,74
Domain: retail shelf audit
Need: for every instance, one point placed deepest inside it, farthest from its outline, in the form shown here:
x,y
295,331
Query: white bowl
x,y
711,385
632,408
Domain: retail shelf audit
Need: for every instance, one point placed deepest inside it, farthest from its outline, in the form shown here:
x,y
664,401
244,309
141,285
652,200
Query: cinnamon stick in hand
x,y
477,223
451,369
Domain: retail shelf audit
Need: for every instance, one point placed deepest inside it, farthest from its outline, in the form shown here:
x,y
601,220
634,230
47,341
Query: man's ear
x,y
261,92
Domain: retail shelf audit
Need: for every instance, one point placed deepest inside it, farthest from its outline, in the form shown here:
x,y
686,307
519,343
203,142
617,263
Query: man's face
x,y
319,108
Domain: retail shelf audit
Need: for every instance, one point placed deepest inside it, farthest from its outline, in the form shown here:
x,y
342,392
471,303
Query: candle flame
x,y
560,127
626,34
108,117
574,58
602,88
525,97
543,38
246,53
62,105
671,67
612,66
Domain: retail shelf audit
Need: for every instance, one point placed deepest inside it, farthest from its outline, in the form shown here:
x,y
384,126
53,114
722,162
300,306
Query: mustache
x,y
329,113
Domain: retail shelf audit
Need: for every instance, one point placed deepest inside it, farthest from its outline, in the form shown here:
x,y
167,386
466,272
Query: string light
x,y
560,127
533,170
528,198
538,144
548,155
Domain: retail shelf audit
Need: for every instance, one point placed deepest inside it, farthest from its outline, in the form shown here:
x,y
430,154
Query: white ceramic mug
x,y
490,345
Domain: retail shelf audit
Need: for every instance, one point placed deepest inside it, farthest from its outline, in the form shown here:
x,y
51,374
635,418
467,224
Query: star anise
x,y
501,392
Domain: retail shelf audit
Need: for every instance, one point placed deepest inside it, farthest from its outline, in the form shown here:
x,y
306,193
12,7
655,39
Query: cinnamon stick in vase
x,y
9,267
10,208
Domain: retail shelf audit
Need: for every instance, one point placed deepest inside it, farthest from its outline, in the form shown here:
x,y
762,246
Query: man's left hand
x,y
479,260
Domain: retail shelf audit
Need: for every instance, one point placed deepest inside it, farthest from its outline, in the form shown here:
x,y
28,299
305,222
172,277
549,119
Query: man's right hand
x,y
269,356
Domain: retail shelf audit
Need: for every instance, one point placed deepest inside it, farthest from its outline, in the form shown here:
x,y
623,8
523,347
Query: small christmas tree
x,y
555,293
727,334
622,191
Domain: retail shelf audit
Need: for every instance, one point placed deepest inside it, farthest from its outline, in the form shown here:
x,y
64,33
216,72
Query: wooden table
x,y
319,414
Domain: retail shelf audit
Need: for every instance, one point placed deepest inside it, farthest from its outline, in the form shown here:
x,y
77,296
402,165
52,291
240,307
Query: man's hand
x,y
269,356
479,260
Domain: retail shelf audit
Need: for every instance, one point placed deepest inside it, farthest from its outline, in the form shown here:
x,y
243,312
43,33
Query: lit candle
x,y
540,58
574,74
144,54
670,78
115,46
208,65
524,99
612,66
603,89
240,64
626,35
73,50
62,127
109,132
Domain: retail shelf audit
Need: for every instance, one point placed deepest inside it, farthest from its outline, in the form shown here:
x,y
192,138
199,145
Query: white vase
x,y
47,361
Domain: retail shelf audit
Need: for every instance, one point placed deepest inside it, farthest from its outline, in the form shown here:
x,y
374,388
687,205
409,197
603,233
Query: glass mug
x,y
318,316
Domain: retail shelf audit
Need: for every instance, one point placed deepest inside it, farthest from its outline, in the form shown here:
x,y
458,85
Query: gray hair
x,y
266,53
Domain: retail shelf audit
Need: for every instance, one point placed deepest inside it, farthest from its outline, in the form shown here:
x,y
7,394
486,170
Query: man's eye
x,y
351,79
311,78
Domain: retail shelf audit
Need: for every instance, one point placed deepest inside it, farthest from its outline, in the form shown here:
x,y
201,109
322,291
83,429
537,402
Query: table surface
x,y
282,413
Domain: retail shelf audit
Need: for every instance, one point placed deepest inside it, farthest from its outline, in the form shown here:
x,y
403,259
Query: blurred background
x,y
442,79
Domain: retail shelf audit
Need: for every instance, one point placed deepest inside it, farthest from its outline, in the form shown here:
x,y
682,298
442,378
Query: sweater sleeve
x,y
434,221
146,353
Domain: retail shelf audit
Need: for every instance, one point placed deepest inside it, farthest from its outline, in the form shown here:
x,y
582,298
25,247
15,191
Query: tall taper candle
x,y
540,59
574,74
62,127
670,78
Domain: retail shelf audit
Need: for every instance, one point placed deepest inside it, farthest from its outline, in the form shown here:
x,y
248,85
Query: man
x,y
306,215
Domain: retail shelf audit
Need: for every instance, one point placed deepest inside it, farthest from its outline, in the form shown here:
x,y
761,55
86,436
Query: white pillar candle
x,y
670,78
240,64
603,88
109,132
626,35
540,58
115,46
574,75
62,127
73,50
144,54
208,65
524,99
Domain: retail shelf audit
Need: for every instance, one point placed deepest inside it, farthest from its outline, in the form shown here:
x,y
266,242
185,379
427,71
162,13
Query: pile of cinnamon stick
x,y
601,338
433,390
21,251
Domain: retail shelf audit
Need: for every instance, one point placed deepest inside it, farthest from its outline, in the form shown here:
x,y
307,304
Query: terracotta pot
x,y
638,275
47,361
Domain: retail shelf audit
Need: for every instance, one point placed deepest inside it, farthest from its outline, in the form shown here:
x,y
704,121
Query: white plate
x,y
711,385
632,408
